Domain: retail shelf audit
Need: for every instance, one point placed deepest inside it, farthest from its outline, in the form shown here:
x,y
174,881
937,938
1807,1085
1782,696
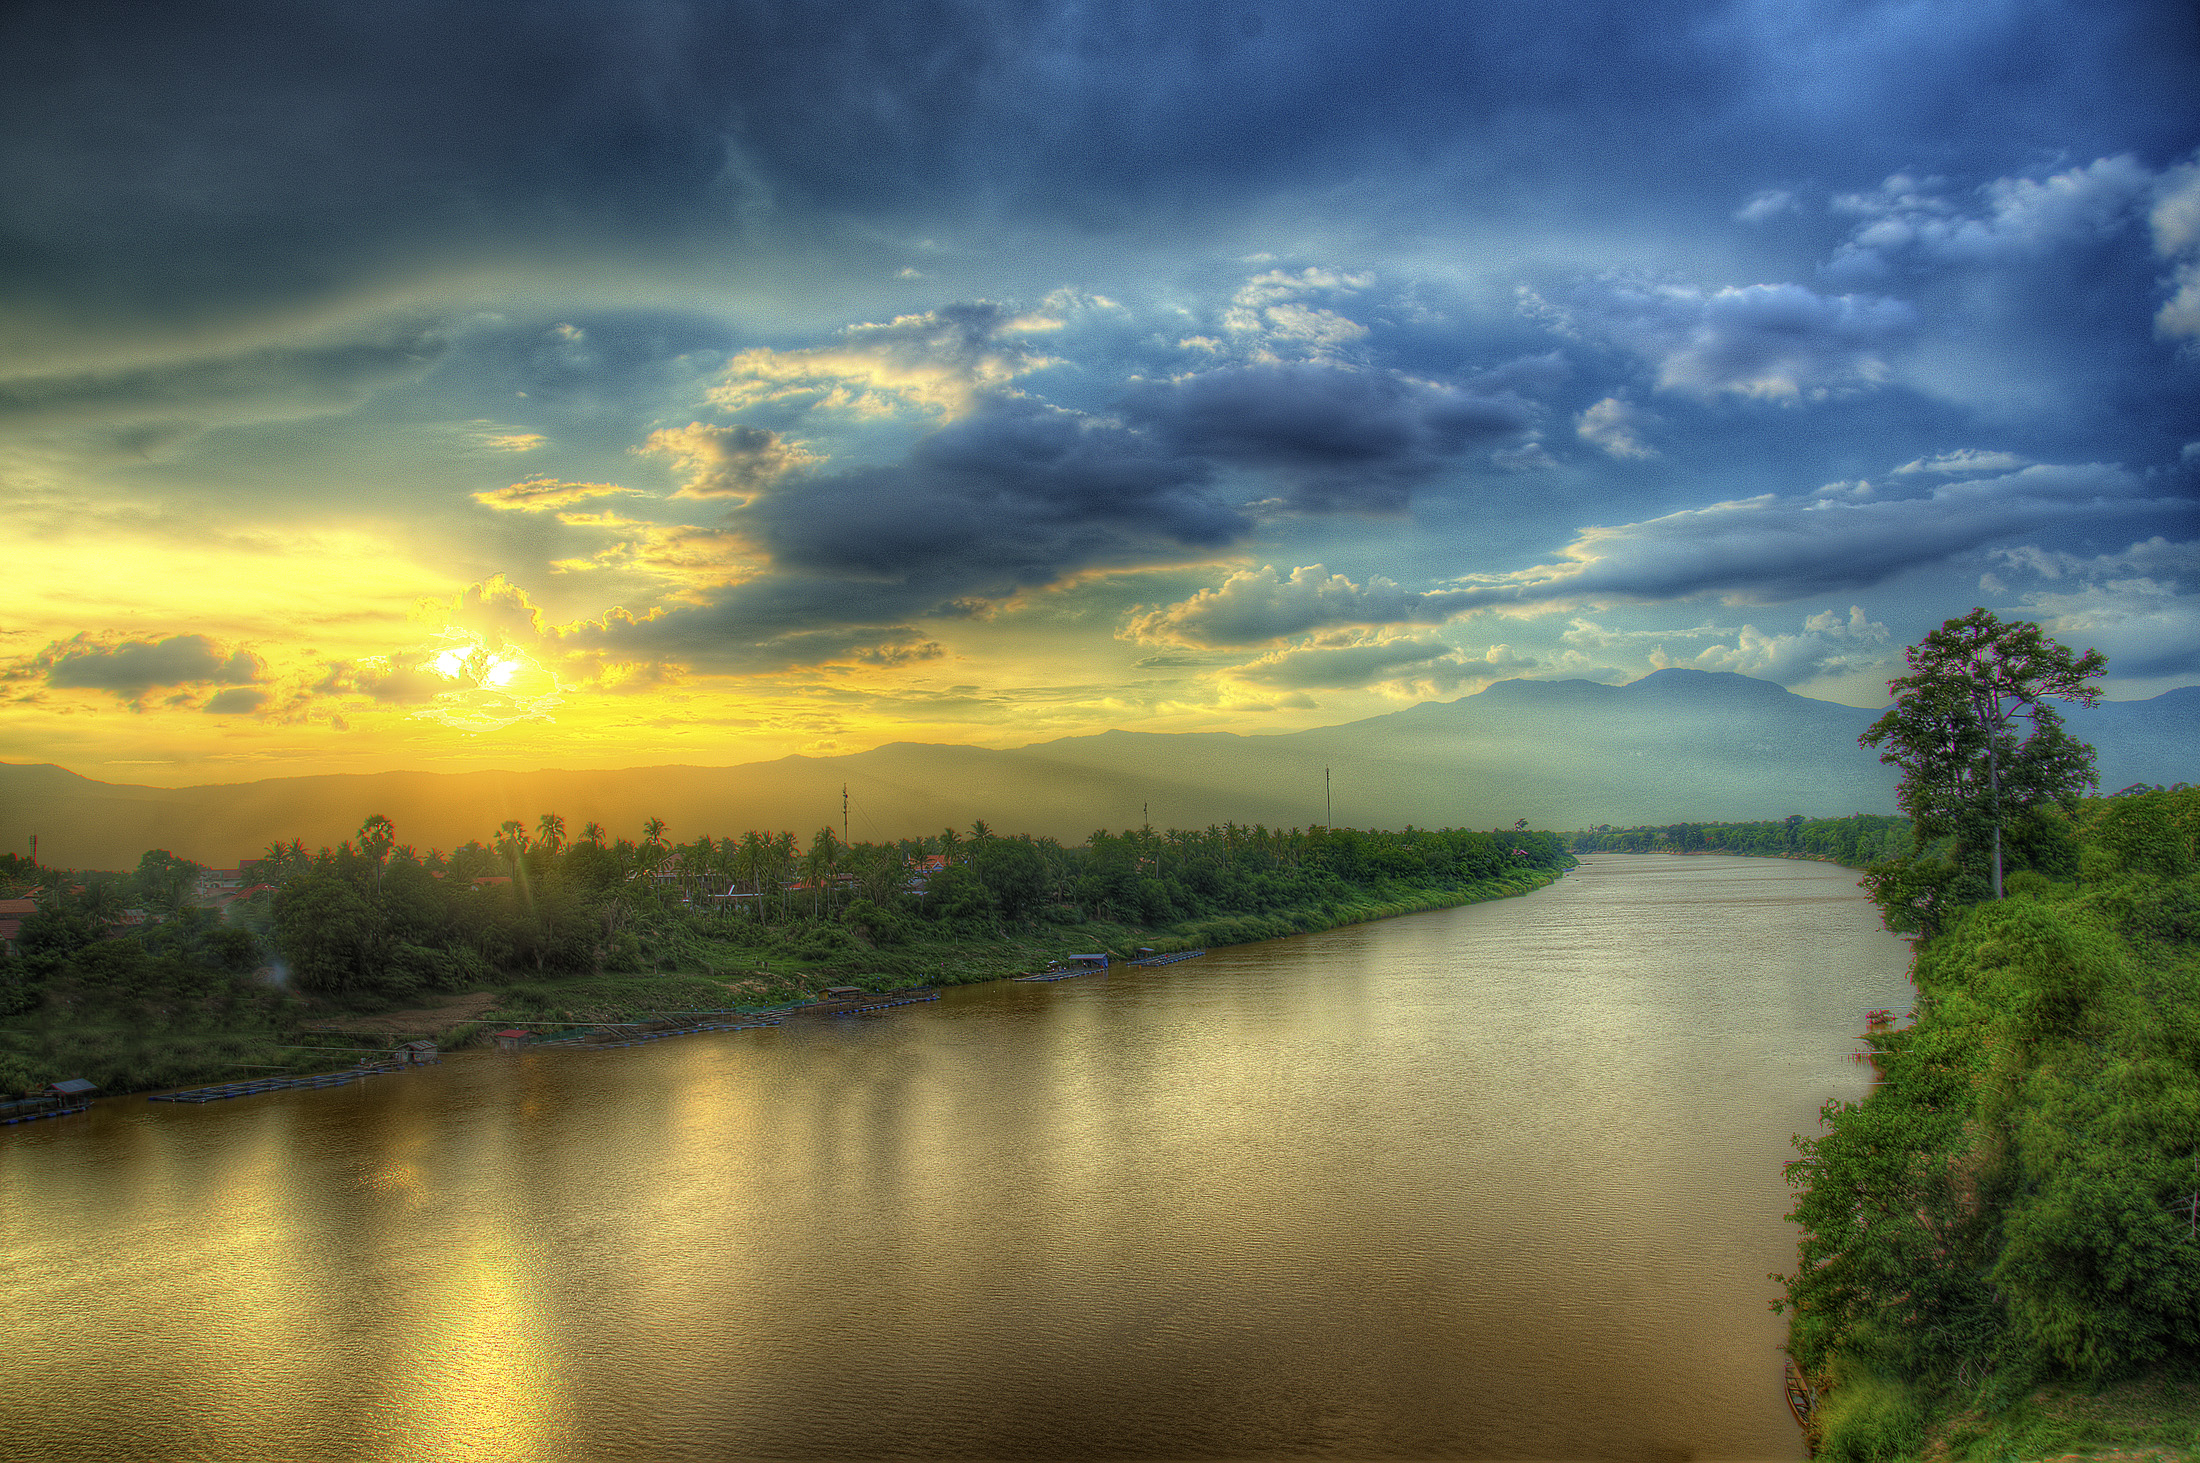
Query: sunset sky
x,y
453,386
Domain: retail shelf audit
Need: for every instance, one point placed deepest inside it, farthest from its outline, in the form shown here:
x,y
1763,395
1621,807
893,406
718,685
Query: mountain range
x,y
1675,746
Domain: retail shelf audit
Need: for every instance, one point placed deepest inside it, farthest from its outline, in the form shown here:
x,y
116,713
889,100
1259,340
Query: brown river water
x,y
1493,1182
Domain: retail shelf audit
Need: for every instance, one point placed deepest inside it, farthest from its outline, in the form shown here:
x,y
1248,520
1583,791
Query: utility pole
x,y
844,815
1328,818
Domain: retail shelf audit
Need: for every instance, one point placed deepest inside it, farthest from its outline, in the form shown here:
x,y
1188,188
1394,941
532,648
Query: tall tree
x,y
1953,729
375,837
820,864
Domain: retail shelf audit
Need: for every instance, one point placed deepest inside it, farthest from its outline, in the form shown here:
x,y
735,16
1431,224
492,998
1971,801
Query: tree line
x,y
373,917
1853,842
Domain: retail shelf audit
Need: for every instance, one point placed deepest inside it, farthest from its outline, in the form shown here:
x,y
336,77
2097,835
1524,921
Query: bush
x,y
1869,1418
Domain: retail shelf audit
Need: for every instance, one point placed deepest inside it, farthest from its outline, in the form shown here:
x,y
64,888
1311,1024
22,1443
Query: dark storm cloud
x,y
1772,550
159,157
1339,437
238,702
1015,494
133,667
745,631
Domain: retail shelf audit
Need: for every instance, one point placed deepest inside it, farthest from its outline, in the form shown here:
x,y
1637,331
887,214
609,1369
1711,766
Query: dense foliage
x,y
372,916
372,923
2019,1199
1854,841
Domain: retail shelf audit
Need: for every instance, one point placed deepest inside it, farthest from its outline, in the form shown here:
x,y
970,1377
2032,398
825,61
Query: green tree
x,y
375,837
820,865
164,881
511,841
1953,729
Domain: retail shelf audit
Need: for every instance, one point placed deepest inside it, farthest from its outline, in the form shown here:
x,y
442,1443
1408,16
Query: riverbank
x,y
138,1036
950,958
1997,1255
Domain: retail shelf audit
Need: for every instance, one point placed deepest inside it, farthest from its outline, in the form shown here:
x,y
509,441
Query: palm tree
x,y
593,832
511,841
881,873
550,831
653,832
819,864
375,837
784,846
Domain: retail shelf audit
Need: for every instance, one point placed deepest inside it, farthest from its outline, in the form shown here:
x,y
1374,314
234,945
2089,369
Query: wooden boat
x,y
1802,1401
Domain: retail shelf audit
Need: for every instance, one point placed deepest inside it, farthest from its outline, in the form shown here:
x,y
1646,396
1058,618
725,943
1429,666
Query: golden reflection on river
x,y
1496,1182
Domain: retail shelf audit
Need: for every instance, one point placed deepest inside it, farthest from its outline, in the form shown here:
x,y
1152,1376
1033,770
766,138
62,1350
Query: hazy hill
x,y
1677,745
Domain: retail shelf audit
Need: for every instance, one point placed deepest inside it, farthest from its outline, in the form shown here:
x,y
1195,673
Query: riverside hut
x,y
415,1054
512,1040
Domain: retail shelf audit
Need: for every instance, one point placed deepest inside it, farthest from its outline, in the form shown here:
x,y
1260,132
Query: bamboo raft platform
x,y
866,1003
603,1040
222,1091
1170,959
1064,974
58,1110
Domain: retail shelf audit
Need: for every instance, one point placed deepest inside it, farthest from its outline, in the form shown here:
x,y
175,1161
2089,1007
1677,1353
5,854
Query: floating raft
x,y
1065,974
589,1040
61,1111
1170,959
223,1090
859,1005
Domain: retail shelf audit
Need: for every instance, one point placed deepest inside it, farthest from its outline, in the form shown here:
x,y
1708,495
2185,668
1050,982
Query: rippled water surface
x,y
1496,1182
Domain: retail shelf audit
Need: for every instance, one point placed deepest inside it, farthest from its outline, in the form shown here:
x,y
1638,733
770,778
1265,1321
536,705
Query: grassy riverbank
x,y
776,975
132,1019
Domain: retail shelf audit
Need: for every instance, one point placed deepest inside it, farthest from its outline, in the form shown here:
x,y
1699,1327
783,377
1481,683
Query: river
x,y
1493,1182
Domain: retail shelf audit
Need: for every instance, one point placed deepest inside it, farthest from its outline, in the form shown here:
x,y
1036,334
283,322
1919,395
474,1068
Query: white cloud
x,y
1616,426
1770,203
2175,220
1408,667
2011,218
2156,556
941,361
1965,460
2136,605
1258,606
1268,315
1826,645
547,494
2143,625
